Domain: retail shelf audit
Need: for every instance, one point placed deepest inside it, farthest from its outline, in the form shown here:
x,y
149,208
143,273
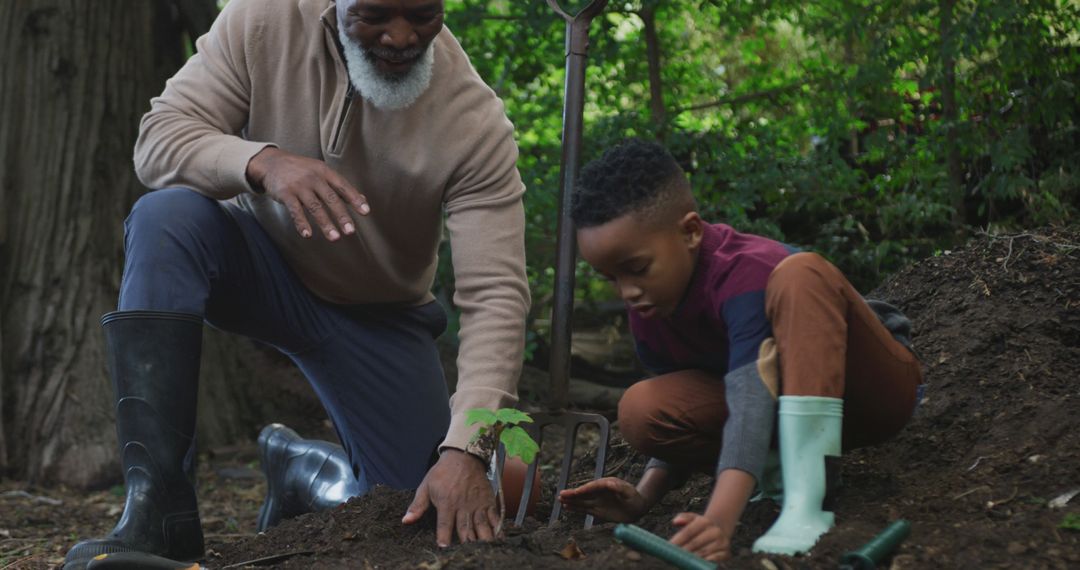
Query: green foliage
x,y
1071,522
874,132
503,425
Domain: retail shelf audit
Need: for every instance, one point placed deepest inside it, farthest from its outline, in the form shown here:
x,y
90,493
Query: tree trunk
x,y
77,77
949,111
653,56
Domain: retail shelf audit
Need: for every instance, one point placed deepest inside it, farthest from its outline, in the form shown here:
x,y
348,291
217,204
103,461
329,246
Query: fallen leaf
x,y
572,551
432,565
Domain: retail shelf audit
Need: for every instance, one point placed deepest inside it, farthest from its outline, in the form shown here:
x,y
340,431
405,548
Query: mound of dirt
x,y
995,442
982,472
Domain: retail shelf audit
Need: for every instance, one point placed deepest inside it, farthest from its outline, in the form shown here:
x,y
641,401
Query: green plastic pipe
x,y
647,542
874,552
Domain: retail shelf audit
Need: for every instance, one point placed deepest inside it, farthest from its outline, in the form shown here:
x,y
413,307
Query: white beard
x,y
386,91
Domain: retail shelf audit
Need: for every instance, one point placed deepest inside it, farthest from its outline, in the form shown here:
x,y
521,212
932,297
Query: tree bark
x,y
949,111
77,78
653,56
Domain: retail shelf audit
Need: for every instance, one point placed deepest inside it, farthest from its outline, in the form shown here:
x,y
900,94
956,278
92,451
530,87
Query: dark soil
x,y
995,441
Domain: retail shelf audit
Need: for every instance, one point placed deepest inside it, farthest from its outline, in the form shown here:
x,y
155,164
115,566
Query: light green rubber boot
x,y
809,434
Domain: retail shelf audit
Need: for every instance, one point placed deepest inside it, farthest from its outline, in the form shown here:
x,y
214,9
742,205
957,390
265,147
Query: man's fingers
x,y
465,526
418,506
337,210
349,194
483,528
493,517
314,206
296,212
444,527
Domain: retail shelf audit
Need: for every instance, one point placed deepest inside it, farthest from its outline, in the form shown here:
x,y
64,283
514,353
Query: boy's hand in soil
x,y
702,536
610,498
458,487
709,535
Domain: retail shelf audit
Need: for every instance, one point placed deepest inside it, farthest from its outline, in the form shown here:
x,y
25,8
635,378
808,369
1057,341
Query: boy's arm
x,y
747,433
729,497
655,482
751,407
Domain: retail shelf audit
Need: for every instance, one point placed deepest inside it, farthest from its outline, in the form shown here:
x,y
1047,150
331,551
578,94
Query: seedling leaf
x,y
512,416
518,443
1071,522
481,415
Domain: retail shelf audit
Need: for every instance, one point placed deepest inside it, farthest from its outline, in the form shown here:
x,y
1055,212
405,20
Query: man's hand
x,y
459,488
307,186
702,536
610,498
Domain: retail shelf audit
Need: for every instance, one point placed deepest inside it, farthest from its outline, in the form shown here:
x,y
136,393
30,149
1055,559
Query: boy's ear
x,y
693,228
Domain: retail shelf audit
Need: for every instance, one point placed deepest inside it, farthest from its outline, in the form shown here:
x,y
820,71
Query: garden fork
x,y
577,46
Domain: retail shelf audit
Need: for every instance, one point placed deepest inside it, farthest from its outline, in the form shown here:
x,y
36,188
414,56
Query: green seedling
x,y
502,426
1071,522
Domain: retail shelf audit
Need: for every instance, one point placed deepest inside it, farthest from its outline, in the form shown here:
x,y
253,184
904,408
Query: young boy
x,y
729,322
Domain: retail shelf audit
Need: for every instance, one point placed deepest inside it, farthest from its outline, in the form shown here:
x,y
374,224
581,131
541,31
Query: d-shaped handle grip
x,y
577,26
586,14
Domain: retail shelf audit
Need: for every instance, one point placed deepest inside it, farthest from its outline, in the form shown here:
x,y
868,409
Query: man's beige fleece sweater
x,y
269,73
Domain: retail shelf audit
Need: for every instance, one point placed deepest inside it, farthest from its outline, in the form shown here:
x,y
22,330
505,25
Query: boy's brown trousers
x,y
830,343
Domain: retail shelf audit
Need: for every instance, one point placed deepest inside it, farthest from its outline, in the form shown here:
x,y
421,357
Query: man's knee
x,y
162,208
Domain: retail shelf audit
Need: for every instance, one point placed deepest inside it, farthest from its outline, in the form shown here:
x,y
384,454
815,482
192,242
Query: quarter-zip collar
x,y
329,21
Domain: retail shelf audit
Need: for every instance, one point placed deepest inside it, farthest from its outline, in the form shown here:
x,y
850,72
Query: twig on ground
x,y
979,281
268,559
34,498
970,491
1005,264
992,504
21,560
1064,246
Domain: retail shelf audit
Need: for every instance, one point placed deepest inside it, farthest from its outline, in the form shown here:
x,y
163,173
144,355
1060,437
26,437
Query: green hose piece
x,y
874,552
647,542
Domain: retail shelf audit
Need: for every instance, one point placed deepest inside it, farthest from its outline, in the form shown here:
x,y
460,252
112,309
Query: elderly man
x,y
306,156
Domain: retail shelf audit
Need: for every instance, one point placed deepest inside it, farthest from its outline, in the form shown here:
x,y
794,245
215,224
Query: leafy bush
x,y
872,132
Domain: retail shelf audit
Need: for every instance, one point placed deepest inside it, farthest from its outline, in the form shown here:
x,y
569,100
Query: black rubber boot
x,y
153,359
302,475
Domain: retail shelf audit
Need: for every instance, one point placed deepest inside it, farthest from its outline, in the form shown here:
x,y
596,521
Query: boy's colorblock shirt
x,y
719,327
721,322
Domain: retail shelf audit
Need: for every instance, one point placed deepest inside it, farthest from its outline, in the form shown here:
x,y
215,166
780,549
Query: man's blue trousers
x,y
375,368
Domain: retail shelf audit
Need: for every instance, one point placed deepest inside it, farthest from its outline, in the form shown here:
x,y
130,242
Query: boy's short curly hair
x,y
634,176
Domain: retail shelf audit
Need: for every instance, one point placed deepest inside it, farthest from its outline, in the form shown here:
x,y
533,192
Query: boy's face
x,y
649,264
